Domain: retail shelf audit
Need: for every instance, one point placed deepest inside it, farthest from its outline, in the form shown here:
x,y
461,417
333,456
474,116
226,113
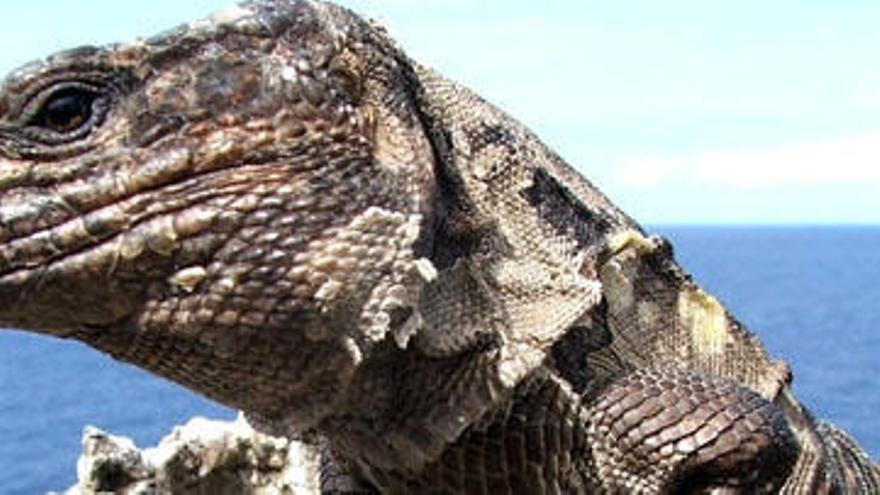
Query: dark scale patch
x,y
486,135
457,237
454,230
570,352
557,206
570,357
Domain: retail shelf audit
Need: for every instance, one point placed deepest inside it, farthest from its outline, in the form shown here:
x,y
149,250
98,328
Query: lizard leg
x,y
660,431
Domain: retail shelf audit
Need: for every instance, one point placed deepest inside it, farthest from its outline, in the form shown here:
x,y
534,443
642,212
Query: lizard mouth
x,y
114,248
120,222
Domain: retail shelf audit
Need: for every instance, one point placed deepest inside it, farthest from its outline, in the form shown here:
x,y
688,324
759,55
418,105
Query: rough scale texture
x,y
278,209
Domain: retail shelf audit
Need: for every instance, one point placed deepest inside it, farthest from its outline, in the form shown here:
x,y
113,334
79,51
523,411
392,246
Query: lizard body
x,y
278,209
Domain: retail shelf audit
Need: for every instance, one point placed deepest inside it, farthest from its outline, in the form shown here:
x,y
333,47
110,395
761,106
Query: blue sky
x,y
681,111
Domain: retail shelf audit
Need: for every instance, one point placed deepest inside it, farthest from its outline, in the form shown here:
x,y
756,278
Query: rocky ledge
x,y
201,457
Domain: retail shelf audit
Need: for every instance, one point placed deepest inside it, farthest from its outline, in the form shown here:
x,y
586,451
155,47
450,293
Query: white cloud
x,y
851,160
647,171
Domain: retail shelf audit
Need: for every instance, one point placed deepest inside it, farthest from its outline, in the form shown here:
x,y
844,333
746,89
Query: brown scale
x,y
679,429
534,444
235,199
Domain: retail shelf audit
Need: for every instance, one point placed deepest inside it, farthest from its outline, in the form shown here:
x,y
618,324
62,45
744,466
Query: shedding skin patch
x,y
373,253
630,238
706,318
649,313
560,209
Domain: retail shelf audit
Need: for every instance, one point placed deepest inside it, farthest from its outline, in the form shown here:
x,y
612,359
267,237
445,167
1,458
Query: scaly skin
x,y
280,210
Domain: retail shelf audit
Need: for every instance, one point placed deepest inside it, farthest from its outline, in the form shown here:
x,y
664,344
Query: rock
x,y
199,458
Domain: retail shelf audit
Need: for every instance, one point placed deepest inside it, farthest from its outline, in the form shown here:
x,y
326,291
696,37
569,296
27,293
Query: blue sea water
x,y
811,294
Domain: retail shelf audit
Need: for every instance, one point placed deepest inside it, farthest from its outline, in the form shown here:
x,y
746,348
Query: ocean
x,y
812,294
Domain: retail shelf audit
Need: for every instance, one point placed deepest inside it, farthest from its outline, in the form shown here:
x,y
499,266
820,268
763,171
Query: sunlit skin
x,y
278,209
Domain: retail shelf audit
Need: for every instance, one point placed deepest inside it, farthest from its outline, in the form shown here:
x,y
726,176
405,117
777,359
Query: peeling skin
x,y
707,319
278,209
630,239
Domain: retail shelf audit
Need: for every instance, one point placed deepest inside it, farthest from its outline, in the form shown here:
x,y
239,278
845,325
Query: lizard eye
x,y
66,113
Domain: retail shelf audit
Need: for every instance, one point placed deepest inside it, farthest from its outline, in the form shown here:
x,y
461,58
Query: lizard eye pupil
x,y
66,111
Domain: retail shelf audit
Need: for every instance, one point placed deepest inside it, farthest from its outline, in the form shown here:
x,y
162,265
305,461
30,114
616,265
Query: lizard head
x,y
278,209
233,204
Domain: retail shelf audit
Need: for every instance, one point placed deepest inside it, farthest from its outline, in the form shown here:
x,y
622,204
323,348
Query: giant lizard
x,y
279,209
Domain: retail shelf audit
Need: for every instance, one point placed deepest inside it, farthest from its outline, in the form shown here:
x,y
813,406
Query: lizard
x,y
280,210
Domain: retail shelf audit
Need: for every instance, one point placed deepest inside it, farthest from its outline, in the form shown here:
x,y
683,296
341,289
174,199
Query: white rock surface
x,y
201,457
